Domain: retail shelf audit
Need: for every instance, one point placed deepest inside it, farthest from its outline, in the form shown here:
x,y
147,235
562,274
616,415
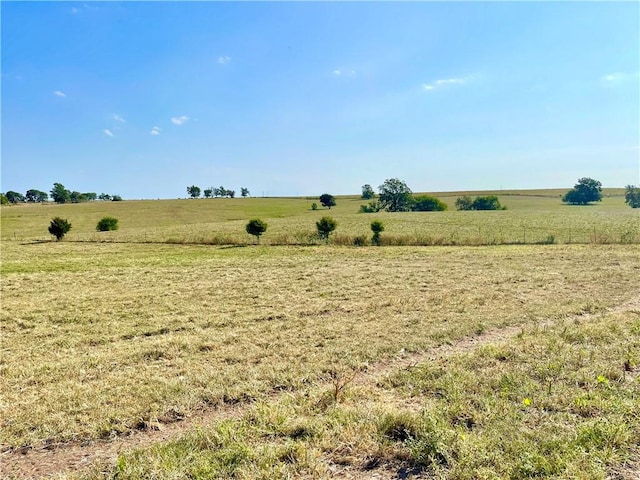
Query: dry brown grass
x,y
99,339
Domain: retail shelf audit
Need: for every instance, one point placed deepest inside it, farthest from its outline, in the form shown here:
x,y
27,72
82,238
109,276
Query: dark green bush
x,y
256,227
59,227
325,226
377,228
427,203
107,224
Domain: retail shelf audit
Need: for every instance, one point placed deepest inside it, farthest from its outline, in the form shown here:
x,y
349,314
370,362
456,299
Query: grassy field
x,y
532,217
101,338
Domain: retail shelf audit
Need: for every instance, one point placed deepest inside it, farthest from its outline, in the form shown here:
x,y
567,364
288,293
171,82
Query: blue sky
x,y
143,99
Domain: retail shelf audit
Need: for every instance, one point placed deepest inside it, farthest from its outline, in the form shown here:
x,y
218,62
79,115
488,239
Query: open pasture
x,y
533,217
134,331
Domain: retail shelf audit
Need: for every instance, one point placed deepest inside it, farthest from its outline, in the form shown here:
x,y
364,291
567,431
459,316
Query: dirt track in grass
x,y
55,459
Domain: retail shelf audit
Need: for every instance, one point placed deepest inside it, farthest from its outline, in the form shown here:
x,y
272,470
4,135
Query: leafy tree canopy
x,y
14,197
193,191
59,194
36,196
327,200
587,190
395,195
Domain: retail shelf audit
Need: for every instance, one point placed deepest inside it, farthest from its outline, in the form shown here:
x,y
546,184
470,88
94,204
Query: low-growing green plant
x,y
325,226
59,227
372,207
256,227
314,206
106,224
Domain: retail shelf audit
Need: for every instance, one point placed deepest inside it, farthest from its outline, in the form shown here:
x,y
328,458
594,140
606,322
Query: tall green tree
x,y
59,194
14,197
193,191
36,196
587,190
244,192
395,195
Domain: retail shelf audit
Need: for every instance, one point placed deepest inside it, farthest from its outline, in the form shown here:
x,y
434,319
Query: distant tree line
x,y
212,192
59,194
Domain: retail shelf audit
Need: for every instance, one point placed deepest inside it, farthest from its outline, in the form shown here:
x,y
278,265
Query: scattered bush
x,y
325,226
488,202
256,227
59,227
632,196
107,224
427,203
367,192
116,198
464,203
377,228
372,207
314,206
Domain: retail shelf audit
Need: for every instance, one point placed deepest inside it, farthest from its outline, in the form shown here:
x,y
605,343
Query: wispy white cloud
x,y
341,72
108,132
155,131
179,120
619,77
224,60
118,118
58,93
445,81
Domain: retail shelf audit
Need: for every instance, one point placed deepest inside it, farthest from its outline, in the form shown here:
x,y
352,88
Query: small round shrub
x,y
325,226
59,227
256,227
377,228
107,224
